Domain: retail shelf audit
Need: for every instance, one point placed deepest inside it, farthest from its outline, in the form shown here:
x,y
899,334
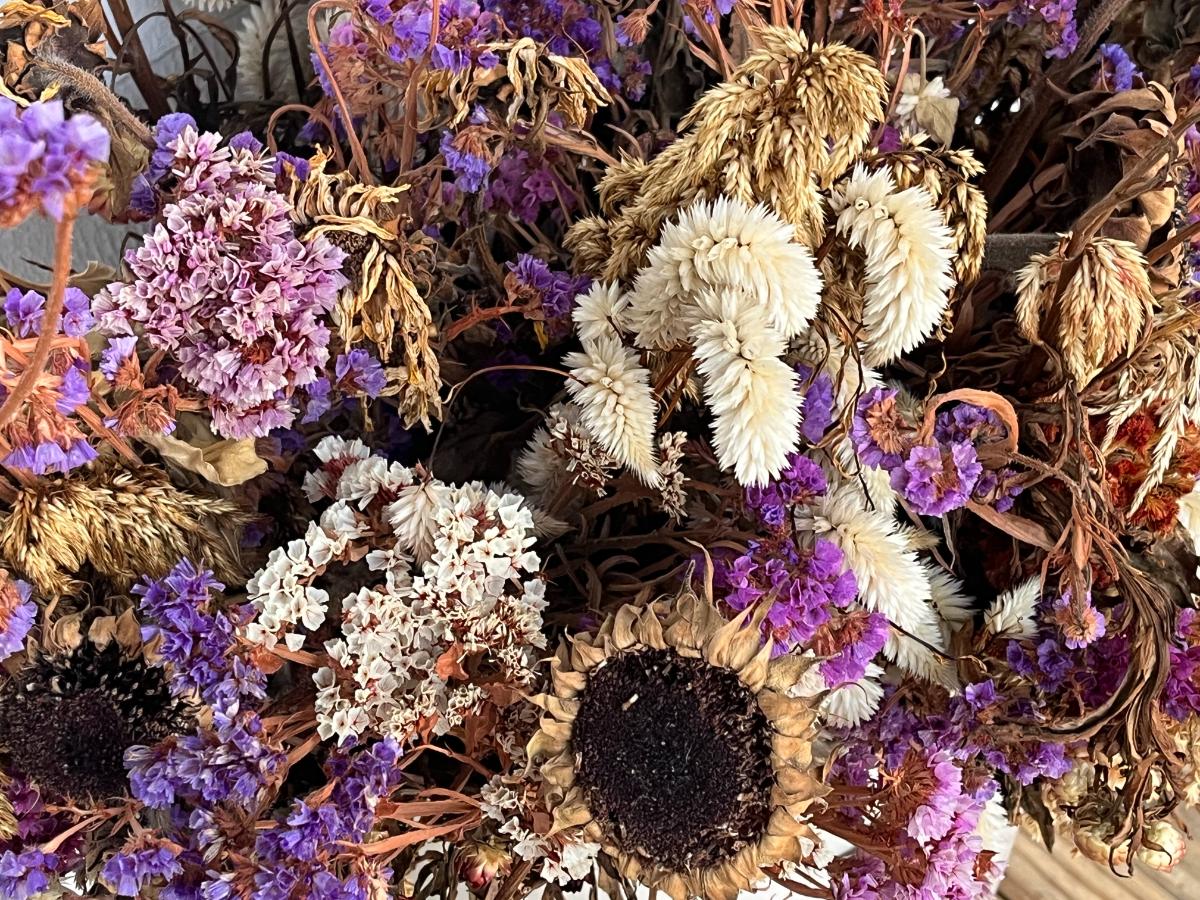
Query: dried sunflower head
x,y
86,695
380,302
125,523
670,738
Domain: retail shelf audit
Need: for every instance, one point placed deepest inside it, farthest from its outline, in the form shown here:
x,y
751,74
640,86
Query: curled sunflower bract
x,y
669,738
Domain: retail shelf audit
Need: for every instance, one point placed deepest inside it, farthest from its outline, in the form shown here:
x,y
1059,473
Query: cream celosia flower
x,y
723,243
751,392
909,251
616,405
954,607
851,704
600,312
892,580
1011,614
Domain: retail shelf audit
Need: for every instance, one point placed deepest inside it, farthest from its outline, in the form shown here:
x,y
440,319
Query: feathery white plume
x,y
891,579
616,405
909,251
919,657
952,604
850,705
600,312
723,243
751,392
1011,614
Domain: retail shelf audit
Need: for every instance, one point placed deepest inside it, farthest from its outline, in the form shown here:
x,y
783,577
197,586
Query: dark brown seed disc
x,y
675,757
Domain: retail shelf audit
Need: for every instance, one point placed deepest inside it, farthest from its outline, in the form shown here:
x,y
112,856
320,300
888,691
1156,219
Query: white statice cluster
x,y
909,253
728,284
456,592
564,859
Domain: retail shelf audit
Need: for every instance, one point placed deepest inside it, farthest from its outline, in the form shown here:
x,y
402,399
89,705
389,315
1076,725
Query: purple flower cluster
x,y
818,403
857,637
24,309
938,479
1058,16
144,197
357,373
462,30
224,284
46,159
803,586
1181,695
1117,70
798,484
941,476
128,872
524,183
228,760
25,870
300,857
555,290
471,169
17,614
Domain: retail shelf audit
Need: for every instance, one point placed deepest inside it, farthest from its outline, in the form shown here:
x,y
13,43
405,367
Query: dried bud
x,y
479,863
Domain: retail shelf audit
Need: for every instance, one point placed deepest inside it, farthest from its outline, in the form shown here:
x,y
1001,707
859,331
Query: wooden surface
x,y
1034,874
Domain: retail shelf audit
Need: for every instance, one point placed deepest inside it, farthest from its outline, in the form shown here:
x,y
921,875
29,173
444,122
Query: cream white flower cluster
x,y
729,284
909,252
457,589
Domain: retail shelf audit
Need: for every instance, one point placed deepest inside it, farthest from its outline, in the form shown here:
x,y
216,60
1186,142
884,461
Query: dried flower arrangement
x,y
547,448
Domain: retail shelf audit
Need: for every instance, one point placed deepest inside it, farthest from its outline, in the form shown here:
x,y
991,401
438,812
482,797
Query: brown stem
x,y
408,140
54,306
356,150
94,91
143,76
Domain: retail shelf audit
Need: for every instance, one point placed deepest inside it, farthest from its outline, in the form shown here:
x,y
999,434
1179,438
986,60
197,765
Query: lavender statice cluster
x,y
46,435
48,159
17,614
940,475
463,29
553,291
226,760
224,284
1056,16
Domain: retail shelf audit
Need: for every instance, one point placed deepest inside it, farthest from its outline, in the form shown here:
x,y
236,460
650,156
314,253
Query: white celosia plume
x,y
723,243
751,392
600,312
616,405
1011,614
909,251
262,35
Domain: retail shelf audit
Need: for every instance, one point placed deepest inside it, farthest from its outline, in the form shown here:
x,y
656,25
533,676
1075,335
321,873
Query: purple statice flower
x,y
860,643
17,614
471,170
463,29
318,402
358,371
801,482
42,454
224,284
818,404
299,166
524,184
555,290
1058,17
1117,70
128,872
27,874
144,197
24,309
878,431
199,637
1053,664
933,819
968,422
46,159
115,354
938,479
567,27
1181,694
803,586
73,390
1081,623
